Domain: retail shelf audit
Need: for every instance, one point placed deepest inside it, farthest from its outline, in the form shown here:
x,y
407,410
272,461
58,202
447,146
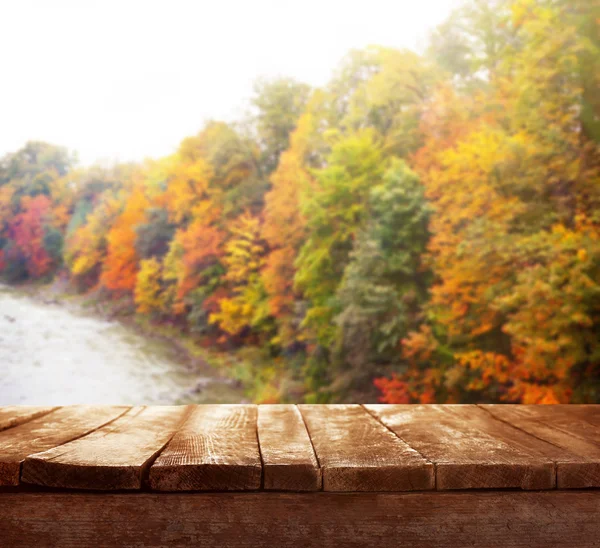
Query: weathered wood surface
x,y
46,432
485,519
18,414
301,448
574,440
470,449
112,457
588,413
215,449
289,461
358,453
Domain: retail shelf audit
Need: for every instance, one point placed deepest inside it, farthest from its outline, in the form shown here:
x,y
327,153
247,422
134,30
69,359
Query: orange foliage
x,y
421,383
121,264
284,228
202,247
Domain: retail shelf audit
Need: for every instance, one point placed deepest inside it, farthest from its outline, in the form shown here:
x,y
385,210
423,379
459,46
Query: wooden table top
x,y
341,448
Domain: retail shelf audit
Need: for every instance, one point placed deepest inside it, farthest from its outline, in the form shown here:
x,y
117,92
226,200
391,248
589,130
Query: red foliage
x,y
393,390
27,230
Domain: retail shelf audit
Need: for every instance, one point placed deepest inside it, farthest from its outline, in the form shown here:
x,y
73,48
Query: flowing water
x,y
52,355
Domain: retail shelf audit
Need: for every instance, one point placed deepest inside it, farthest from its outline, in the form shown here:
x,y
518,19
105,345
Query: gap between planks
x,y
115,456
567,434
562,415
44,435
15,415
495,418
434,464
260,455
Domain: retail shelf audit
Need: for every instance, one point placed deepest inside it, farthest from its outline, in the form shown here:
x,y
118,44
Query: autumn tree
x,y
31,224
86,241
30,237
278,104
290,181
426,226
121,264
384,285
513,196
471,43
148,289
386,90
246,308
334,213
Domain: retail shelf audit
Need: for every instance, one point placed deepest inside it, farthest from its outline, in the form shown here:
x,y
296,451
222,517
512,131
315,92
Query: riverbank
x,y
209,375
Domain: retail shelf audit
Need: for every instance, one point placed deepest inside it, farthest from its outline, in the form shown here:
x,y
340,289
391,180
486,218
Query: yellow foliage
x,y
147,293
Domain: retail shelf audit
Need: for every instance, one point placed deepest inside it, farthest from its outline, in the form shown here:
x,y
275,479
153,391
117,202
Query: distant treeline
x,y
424,228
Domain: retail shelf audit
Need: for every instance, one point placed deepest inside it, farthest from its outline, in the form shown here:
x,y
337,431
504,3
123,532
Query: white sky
x,y
127,79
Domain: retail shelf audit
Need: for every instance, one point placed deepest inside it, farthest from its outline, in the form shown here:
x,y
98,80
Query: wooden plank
x,y
113,457
215,449
579,421
48,431
588,413
289,462
357,453
576,471
492,519
13,415
577,453
465,449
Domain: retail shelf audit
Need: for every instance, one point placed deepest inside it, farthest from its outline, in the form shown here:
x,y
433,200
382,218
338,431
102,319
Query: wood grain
x,y
337,448
215,449
588,413
576,449
579,421
113,457
493,519
357,453
13,415
48,431
464,445
289,462
479,416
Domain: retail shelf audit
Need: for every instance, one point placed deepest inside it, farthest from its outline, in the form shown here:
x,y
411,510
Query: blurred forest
x,y
425,228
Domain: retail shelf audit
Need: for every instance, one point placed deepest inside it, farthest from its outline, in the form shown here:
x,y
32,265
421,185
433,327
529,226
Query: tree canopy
x,y
422,228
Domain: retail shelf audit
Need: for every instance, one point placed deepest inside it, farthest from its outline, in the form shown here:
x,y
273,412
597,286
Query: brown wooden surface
x,y
578,421
289,462
484,519
301,448
46,432
358,453
589,413
215,449
468,454
14,415
112,457
573,439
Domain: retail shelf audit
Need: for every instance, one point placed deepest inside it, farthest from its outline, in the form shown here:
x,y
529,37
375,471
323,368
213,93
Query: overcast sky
x,y
128,79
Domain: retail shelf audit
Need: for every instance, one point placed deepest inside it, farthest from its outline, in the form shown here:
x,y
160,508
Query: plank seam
x,y
145,468
128,411
32,417
566,431
554,461
321,488
73,439
407,444
260,456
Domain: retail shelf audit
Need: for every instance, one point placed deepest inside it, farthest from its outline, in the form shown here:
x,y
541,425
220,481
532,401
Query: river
x,y
54,355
